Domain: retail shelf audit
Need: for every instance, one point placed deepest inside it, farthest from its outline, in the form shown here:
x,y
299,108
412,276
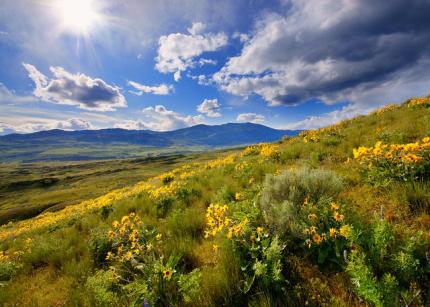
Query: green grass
x,y
27,189
381,263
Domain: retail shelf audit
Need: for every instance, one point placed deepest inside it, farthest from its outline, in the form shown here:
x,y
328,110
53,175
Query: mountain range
x,y
203,136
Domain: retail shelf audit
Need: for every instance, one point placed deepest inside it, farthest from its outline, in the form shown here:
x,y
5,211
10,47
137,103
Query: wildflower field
x,y
338,216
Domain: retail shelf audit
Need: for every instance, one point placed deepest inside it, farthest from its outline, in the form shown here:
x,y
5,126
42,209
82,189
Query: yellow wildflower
x,y
167,274
345,231
260,230
337,216
334,206
128,255
109,256
238,196
317,238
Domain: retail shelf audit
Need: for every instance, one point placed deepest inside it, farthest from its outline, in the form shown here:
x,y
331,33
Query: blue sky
x,y
89,64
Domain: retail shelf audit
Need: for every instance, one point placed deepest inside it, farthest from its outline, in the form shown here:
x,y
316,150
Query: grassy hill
x,y
338,216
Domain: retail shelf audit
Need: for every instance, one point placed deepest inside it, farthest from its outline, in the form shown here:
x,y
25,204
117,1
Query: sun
x,y
78,16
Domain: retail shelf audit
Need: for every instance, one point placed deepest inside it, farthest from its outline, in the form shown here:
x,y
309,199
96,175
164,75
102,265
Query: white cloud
x,y
196,28
8,96
243,37
329,118
210,107
41,125
250,118
131,125
177,75
75,89
207,62
177,51
162,89
159,118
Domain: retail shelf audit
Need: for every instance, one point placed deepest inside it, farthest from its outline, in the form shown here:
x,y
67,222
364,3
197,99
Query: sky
x,y
165,65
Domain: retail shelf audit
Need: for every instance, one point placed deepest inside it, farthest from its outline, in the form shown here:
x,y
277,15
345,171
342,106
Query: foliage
x,y
282,197
99,245
405,162
384,269
189,286
102,287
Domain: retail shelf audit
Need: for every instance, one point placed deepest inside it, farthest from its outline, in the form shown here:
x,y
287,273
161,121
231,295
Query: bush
x,y
189,287
385,269
101,288
99,247
282,196
105,211
8,270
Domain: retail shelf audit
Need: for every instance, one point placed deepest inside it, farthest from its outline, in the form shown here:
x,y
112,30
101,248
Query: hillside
x,y
63,145
338,216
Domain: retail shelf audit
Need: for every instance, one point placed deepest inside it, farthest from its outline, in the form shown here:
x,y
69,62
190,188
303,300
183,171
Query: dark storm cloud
x,y
329,49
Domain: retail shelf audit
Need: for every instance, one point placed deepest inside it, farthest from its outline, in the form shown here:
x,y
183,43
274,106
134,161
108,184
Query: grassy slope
x,y
26,190
60,262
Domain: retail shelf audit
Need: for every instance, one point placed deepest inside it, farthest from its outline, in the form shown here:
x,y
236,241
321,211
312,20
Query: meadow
x,y
86,152
338,216
28,189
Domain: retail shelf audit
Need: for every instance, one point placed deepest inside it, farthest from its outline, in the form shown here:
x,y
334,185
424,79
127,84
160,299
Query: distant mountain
x,y
200,135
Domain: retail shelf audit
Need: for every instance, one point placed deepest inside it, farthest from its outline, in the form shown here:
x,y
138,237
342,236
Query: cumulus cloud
x,y
250,118
177,52
34,126
242,37
210,107
75,89
162,89
132,125
330,49
159,118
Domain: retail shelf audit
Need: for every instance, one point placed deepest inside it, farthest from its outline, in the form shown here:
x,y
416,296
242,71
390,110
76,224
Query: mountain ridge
x,y
229,134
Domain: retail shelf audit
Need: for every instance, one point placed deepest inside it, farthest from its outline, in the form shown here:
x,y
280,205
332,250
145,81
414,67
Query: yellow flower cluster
x,y
406,153
221,162
269,151
164,191
314,136
386,108
310,136
127,240
216,219
419,101
250,150
316,235
237,229
266,150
